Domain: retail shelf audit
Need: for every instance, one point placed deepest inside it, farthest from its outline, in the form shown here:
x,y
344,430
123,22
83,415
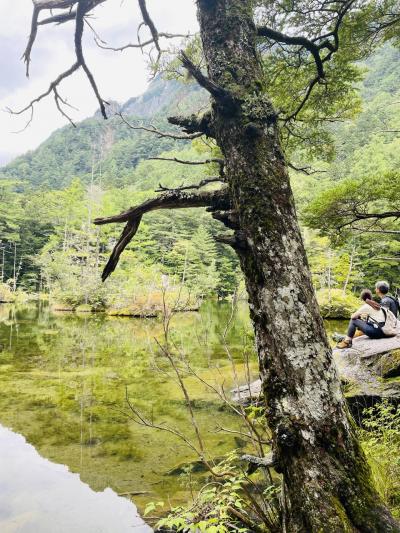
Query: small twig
x,y
309,171
101,44
185,162
202,183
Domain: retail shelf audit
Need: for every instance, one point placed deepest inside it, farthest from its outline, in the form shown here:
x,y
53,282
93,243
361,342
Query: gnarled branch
x,y
169,200
84,6
158,133
38,6
219,93
194,124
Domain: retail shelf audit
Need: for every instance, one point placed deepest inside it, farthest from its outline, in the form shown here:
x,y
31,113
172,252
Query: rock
x,y
193,466
369,371
381,356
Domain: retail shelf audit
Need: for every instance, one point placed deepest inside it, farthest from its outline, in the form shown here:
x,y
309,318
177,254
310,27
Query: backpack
x,y
394,308
390,326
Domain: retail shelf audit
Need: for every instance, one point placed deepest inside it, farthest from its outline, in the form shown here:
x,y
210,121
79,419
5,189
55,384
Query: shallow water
x,y
71,445
64,380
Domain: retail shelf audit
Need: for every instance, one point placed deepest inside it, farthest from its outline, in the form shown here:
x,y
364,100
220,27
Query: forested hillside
x,y
49,198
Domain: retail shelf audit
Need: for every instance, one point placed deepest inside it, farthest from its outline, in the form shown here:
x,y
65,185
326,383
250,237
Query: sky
x,y
119,75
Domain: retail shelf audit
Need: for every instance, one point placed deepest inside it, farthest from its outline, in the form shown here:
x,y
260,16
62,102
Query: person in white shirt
x,y
369,319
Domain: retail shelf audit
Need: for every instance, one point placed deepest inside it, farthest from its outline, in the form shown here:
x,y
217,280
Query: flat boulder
x,y
369,371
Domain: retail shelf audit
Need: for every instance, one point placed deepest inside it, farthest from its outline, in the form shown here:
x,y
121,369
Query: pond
x,y
68,435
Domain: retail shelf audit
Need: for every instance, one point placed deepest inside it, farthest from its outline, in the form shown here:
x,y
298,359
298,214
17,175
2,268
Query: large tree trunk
x,y
327,483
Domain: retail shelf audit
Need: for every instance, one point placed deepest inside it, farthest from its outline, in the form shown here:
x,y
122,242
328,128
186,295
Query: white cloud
x,y
119,75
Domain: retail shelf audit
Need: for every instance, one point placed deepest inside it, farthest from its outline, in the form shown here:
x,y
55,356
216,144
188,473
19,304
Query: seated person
x,y
387,300
369,319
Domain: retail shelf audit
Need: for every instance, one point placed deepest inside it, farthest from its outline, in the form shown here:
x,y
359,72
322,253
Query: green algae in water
x,y
64,379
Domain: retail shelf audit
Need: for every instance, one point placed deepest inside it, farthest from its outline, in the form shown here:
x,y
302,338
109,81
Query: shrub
x,y
380,439
6,295
335,304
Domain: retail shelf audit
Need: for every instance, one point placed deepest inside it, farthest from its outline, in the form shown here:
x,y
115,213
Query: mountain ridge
x,y
69,151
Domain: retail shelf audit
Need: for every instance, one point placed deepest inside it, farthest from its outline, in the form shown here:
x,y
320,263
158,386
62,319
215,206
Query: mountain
x,y
71,152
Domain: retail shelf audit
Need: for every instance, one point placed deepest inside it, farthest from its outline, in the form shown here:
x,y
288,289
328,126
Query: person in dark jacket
x,y
387,300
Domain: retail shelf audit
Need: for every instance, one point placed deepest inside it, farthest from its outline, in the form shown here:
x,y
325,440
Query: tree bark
x,y
327,484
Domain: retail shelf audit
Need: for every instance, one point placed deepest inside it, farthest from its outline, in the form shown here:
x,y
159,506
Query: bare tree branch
x,y
83,8
158,133
58,100
202,183
172,200
143,44
51,88
38,6
169,200
150,24
185,162
26,56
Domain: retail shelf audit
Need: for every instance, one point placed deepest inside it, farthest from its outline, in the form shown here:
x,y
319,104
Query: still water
x,y
37,495
72,457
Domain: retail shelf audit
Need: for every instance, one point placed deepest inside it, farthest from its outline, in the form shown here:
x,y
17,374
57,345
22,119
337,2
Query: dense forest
x,y
50,196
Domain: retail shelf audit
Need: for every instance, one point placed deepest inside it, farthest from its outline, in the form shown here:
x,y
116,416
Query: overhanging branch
x,y
158,133
150,24
357,217
83,7
143,44
303,42
169,200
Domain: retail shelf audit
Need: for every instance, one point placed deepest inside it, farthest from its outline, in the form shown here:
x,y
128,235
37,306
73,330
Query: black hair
x,y
382,286
366,294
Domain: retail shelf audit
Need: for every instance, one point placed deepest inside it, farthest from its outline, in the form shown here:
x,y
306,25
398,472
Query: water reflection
x,y
63,382
37,496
